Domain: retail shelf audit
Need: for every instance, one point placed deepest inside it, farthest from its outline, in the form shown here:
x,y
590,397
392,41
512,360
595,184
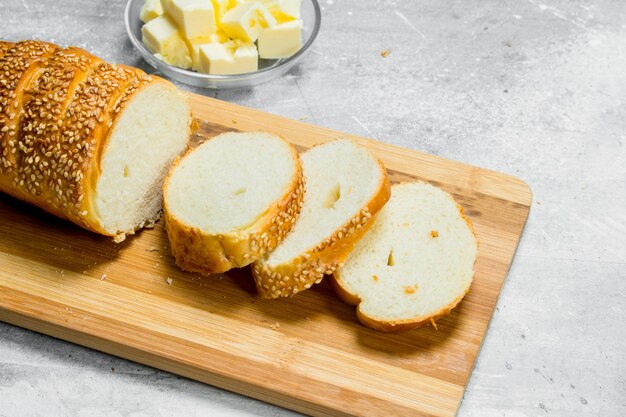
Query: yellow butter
x,y
194,47
195,18
221,7
282,10
151,9
161,36
281,41
228,58
245,21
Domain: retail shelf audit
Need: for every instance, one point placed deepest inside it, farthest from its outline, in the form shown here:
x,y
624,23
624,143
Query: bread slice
x,y
346,186
231,200
414,265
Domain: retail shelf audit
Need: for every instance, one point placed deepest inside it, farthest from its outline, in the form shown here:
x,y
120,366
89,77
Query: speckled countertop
x,y
533,88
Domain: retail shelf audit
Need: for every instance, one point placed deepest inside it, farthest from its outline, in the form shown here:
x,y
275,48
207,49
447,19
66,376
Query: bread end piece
x,y
386,325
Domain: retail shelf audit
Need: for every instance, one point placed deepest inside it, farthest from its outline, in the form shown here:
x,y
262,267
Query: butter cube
x,y
281,41
246,21
194,47
227,58
282,10
161,36
195,18
246,58
151,9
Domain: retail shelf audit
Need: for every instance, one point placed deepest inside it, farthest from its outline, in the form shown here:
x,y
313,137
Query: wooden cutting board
x,y
307,353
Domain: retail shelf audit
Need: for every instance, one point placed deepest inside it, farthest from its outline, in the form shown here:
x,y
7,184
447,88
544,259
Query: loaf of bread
x,y
414,265
85,140
345,187
231,200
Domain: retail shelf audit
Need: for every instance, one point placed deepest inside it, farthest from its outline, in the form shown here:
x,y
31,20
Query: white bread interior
x,y
414,264
142,144
229,181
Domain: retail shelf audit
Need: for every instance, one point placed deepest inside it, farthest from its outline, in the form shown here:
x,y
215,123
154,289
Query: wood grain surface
x,y
307,353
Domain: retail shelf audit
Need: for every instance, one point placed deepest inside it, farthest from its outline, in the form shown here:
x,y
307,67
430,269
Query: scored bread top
x,y
232,199
415,263
47,161
21,66
346,186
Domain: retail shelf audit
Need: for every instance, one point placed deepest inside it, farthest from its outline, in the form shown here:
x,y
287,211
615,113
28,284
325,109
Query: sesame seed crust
x,y
4,47
299,274
44,160
20,67
57,109
198,251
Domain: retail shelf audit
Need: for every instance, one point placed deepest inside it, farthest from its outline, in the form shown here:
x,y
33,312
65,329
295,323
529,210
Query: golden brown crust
x,y
4,47
20,66
197,251
309,268
394,326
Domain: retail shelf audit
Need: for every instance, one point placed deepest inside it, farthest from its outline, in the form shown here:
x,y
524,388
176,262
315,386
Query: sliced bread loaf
x,y
85,140
231,200
414,265
345,187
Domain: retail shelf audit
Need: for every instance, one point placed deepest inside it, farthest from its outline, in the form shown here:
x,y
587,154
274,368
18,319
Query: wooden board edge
x,y
502,282
148,359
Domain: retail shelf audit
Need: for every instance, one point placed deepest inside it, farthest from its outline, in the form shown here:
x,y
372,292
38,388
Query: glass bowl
x,y
268,68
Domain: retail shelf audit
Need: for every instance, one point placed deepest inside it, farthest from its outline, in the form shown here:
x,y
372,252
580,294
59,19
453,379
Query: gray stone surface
x,y
533,88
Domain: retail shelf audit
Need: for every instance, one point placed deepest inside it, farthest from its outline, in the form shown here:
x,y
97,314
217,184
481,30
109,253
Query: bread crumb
x,y
384,53
306,318
375,278
434,233
152,249
432,321
169,281
303,117
275,326
103,277
234,121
